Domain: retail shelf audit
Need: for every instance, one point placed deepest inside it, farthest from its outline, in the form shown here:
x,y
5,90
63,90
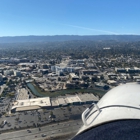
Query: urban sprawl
x,y
41,86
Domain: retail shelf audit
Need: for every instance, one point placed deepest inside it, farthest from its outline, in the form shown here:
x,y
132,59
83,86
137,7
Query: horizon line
x,y
72,35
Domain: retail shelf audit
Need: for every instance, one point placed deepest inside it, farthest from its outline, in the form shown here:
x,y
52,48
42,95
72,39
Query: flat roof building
x,y
31,104
54,102
121,70
62,101
87,98
89,72
73,99
46,102
72,76
17,73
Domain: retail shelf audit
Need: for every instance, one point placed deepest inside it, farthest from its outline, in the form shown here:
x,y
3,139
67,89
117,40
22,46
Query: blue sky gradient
x,y
69,17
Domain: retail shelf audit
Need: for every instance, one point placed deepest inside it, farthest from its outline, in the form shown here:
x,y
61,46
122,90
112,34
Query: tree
x,y
51,113
69,108
11,95
17,119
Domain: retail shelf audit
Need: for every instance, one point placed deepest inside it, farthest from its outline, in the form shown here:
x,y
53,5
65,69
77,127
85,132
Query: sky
x,y
69,17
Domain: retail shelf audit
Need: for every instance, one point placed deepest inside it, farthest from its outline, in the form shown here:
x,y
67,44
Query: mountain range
x,y
23,39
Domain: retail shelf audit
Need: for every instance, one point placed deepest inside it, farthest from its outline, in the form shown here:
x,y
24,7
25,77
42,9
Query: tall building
x,y
17,73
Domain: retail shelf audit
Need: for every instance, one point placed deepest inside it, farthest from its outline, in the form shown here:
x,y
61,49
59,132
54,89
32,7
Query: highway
x,y
50,130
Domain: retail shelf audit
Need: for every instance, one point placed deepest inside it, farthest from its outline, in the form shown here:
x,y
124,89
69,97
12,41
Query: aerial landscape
x,y
52,83
59,58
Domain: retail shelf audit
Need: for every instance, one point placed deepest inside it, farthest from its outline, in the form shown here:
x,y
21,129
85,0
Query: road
x,y
50,130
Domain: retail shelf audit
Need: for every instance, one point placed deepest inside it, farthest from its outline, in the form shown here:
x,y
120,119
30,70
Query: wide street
x,y
49,130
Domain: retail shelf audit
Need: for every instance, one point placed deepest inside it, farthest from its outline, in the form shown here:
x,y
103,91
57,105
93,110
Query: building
x,y
62,68
133,70
72,76
17,73
46,102
43,71
112,82
121,70
8,72
45,66
87,98
101,85
62,101
73,100
128,70
77,61
136,78
54,102
53,68
26,65
31,104
89,72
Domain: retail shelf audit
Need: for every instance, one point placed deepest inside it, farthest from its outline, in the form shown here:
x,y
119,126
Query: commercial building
x,y
31,104
59,69
133,70
87,98
43,71
72,76
46,102
26,64
112,82
45,66
17,73
54,102
121,70
136,78
73,100
62,101
128,70
89,72
8,72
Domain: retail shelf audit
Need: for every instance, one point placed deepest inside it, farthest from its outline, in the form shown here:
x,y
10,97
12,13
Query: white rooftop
x,y
73,98
62,100
41,102
87,97
54,102
72,75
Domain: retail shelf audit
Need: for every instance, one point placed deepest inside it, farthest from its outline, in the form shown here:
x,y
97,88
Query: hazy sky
x,y
69,17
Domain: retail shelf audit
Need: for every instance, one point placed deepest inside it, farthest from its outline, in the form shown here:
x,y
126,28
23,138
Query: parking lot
x,y
41,117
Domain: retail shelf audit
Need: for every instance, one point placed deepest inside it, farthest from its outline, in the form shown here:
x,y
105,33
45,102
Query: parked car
x,y
44,135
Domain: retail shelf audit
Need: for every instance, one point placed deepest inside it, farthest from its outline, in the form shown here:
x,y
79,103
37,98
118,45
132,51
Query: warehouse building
x,y
31,104
47,103
54,103
62,101
73,100
87,98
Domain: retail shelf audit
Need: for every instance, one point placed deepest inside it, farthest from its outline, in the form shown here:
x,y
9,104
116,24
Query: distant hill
x,y
23,39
